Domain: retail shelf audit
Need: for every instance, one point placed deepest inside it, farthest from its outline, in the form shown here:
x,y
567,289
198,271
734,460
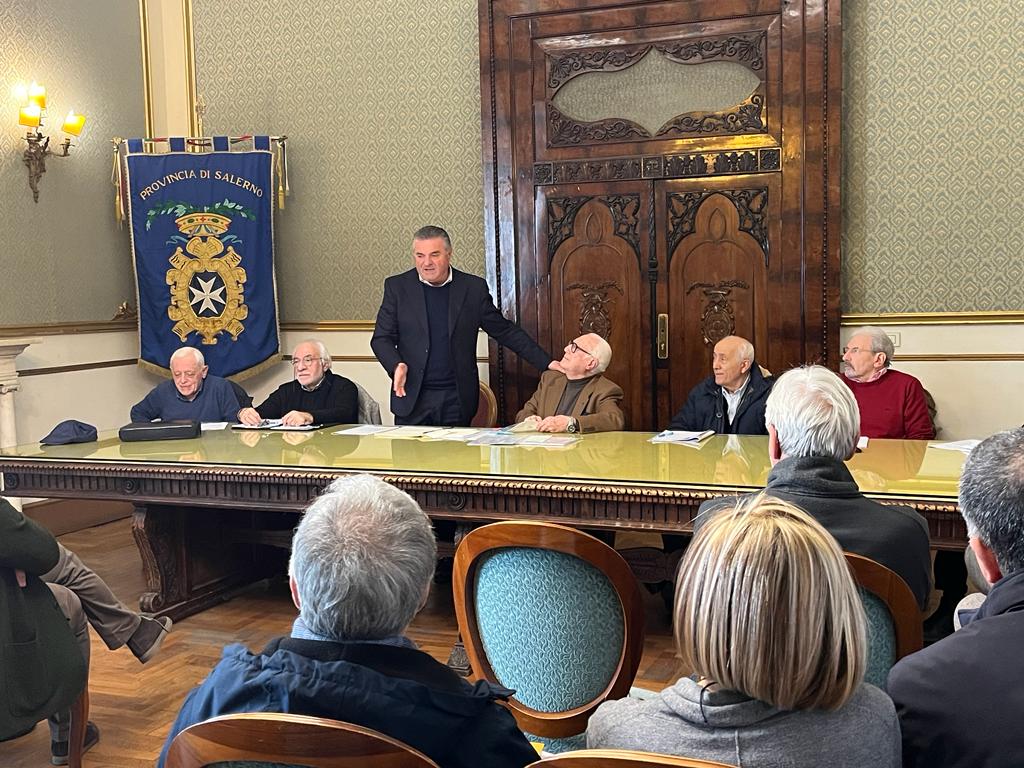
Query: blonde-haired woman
x,y
769,619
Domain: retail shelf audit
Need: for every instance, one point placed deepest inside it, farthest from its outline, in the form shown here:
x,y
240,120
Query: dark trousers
x,y
434,408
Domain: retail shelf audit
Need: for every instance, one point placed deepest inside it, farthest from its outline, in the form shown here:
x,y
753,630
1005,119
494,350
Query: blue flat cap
x,y
70,432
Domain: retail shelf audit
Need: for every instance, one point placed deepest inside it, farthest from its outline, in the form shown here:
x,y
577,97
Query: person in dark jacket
x,y
731,400
813,425
316,395
361,567
960,700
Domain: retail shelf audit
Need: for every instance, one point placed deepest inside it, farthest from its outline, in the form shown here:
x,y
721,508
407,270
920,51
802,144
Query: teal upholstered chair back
x,y
274,740
553,614
893,618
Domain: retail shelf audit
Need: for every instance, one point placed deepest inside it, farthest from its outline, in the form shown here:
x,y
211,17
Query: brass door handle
x,y
663,337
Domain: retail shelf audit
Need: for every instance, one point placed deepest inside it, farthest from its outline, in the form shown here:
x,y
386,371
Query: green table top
x,y
899,468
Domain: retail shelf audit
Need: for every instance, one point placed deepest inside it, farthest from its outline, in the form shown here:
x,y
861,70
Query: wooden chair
x,y
79,721
894,620
553,613
486,410
270,737
622,758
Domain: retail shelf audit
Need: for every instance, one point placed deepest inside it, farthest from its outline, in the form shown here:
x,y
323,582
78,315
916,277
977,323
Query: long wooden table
x,y
206,509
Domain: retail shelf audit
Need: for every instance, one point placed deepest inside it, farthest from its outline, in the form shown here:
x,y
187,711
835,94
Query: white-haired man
x,y
730,400
892,404
960,700
361,566
581,399
813,425
190,394
317,395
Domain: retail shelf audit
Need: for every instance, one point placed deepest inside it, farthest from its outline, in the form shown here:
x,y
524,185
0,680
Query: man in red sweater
x,y
892,404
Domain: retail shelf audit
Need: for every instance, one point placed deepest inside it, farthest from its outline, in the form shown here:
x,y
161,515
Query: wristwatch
x,y
574,425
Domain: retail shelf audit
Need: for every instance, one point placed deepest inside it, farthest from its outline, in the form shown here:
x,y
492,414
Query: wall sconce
x,y
32,114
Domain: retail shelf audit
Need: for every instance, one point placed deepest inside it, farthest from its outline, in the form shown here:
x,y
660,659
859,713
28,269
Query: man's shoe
x,y
146,640
59,749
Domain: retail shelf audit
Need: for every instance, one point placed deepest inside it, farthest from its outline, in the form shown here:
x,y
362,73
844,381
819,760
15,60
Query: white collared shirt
x,y
442,285
732,399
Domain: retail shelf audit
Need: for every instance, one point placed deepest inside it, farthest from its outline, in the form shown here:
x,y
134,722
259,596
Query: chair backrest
x,y
369,409
288,740
244,398
622,758
486,409
894,620
553,613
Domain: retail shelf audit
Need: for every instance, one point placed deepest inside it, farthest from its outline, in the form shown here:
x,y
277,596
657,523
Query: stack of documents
x,y
280,426
682,436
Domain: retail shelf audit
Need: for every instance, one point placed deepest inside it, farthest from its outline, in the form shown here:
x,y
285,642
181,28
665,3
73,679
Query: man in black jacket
x,y
813,426
317,395
361,567
426,331
731,400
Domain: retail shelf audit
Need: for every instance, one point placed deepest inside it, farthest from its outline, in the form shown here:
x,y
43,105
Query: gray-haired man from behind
x,y
361,567
813,425
960,700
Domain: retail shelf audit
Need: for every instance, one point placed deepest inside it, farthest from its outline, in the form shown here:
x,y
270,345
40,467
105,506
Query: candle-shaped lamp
x,y
30,115
73,123
37,95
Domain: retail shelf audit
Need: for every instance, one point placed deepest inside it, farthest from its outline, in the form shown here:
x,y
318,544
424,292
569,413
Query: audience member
x,y
577,398
813,424
190,394
768,617
317,395
361,566
892,404
730,400
960,700
42,670
426,334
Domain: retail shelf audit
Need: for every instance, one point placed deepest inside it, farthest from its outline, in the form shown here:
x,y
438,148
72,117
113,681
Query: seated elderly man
x,y
730,400
960,700
579,398
361,567
892,404
30,556
190,394
813,426
317,395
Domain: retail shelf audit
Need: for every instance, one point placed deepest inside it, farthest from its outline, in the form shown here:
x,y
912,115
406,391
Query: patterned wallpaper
x,y
933,157
381,106
64,256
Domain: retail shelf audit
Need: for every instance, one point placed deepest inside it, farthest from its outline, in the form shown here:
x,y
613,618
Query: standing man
x,y
892,404
731,400
317,395
426,332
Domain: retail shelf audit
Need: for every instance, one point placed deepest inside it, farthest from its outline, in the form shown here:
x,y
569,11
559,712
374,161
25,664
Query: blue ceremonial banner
x,y
203,245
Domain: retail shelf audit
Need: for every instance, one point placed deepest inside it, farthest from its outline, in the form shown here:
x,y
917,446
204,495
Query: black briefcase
x,y
176,429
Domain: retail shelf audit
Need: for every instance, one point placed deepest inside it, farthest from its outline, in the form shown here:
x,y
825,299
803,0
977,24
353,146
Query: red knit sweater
x,y
892,407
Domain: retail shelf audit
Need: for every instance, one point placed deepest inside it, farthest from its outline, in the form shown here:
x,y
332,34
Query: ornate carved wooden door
x,y
664,174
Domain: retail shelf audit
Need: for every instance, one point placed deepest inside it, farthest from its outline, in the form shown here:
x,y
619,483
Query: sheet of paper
x,y
264,424
295,427
406,433
455,434
363,429
681,436
209,426
529,425
862,442
964,446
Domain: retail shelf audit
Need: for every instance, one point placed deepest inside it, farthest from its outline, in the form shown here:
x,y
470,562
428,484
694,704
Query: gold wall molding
x,y
329,326
78,367
60,329
1003,317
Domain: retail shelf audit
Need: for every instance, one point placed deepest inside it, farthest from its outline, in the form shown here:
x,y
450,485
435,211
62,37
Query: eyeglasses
x,y
855,350
573,347
307,360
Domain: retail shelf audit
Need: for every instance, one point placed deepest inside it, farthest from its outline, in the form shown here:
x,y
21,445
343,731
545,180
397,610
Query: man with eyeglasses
x,y
578,399
317,395
190,394
426,331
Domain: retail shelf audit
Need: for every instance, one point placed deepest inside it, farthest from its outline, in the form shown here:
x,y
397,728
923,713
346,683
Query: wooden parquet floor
x,y
134,705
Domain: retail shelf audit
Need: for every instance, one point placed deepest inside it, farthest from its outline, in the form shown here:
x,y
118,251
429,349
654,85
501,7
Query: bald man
x,y
731,400
581,399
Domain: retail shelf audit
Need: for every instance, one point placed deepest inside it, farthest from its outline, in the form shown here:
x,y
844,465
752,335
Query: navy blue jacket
x,y
960,700
216,401
402,335
401,692
705,407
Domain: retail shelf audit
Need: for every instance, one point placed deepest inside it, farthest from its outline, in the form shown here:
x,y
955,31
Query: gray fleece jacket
x,y
732,728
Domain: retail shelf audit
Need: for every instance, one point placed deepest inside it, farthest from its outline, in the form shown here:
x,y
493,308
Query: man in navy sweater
x,y
426,331
190,394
